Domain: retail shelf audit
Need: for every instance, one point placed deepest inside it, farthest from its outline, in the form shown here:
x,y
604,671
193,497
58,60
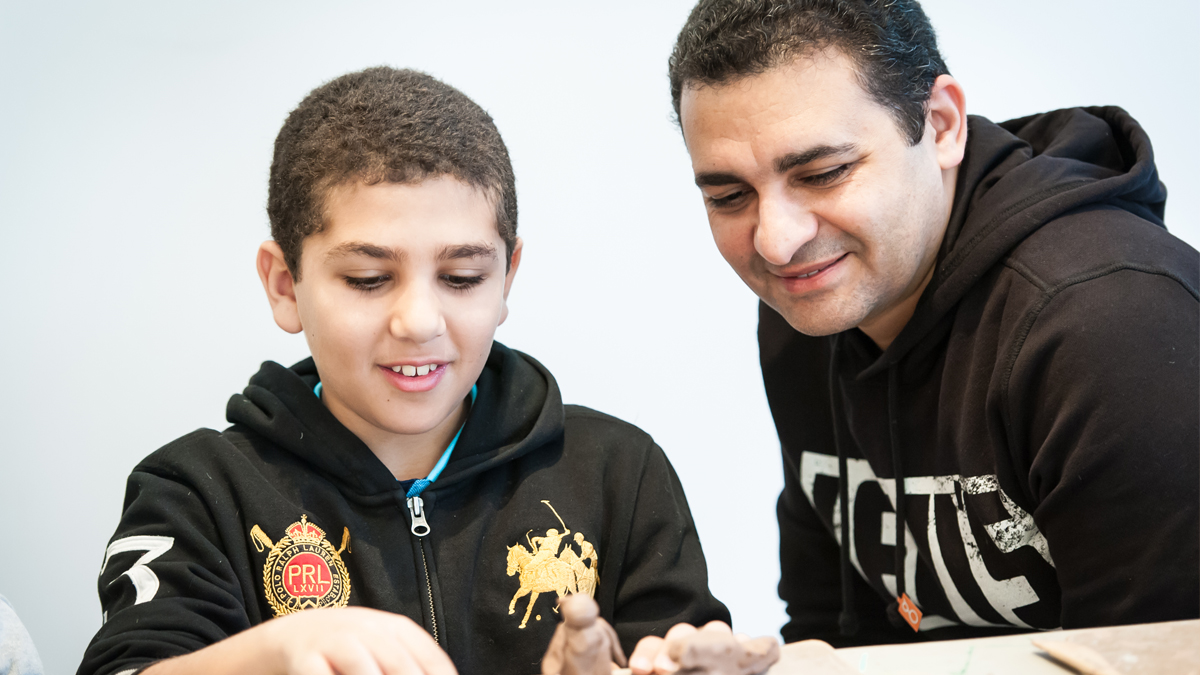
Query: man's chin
x,y
816,321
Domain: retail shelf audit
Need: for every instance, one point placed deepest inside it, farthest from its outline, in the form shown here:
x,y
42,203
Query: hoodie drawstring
x,y
848,619
894,615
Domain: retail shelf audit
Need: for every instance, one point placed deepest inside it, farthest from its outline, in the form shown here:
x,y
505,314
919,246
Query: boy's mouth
x,y
411,377
417,371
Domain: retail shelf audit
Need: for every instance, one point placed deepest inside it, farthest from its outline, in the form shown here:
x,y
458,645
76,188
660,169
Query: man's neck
x,y
884,329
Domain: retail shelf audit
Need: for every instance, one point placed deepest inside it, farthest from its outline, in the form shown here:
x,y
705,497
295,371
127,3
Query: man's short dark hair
x,y
382,125
890,42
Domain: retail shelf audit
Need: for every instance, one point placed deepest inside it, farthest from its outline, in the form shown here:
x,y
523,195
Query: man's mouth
x,y
820,269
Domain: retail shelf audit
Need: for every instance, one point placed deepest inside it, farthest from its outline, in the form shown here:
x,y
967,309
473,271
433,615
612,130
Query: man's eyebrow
x,y
782,165
795,159
362,248
462,251
716,179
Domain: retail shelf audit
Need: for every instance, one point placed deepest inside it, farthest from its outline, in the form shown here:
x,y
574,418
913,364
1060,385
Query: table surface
x,y
1158,648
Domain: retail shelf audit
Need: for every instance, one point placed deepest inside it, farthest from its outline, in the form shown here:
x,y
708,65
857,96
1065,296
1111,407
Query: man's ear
x,y
280,287
508,278
947,117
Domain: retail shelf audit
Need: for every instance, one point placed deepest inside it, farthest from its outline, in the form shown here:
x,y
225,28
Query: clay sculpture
x,y
708,652
584,643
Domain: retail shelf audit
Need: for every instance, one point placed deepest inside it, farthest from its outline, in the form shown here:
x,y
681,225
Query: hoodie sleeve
x,y
166,586
664,579
1104,399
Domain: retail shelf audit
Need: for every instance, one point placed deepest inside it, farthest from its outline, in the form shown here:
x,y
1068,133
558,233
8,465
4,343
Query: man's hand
x,y
650,656
344,641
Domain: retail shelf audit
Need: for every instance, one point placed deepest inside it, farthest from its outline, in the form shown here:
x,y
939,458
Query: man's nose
x,y
417,315
784,225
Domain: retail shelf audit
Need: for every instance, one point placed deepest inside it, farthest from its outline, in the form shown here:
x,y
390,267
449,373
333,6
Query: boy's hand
x,y
343,641
713,647
650,656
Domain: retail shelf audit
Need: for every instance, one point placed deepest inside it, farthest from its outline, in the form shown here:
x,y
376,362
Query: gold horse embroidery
x,y
543,569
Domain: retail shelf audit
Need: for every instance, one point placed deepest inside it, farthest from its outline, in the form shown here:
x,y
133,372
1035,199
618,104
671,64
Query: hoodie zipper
x,y
420,528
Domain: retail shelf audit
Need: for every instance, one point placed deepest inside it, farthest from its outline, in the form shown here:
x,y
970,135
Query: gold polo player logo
x,y
543,569
303,570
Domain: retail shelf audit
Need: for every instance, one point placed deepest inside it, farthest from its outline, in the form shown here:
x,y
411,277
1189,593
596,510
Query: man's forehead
x,y
811,107
807,93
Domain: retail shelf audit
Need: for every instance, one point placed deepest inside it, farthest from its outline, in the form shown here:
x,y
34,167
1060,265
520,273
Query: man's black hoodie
x,y
1035,424
204,516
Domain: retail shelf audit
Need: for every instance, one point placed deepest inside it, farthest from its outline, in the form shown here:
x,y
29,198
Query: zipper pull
x,y
416,509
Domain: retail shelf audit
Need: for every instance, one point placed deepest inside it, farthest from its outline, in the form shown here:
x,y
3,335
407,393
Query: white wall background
x,y
135,139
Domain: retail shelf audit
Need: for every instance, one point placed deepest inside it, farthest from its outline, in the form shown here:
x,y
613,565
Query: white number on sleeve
x,y
145,582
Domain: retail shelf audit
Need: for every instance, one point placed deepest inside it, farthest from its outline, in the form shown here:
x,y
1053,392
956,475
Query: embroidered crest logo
x,y
303,570
543,569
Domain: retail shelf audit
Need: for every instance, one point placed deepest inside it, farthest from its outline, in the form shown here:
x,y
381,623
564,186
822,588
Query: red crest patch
x,y
303,570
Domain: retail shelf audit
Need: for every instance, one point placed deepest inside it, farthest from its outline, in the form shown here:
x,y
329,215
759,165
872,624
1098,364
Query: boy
x,y
420,486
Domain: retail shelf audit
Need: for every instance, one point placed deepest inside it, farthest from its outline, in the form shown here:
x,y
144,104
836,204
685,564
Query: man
x,y
979,342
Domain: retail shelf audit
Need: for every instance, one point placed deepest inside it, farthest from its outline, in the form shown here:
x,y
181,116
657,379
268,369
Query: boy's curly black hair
x,y
382,125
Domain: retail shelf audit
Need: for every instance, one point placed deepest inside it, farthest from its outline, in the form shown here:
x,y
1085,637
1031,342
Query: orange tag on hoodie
x,y
909,611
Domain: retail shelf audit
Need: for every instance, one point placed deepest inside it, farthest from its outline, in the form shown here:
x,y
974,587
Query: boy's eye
x,y
462,283
366,283
827,177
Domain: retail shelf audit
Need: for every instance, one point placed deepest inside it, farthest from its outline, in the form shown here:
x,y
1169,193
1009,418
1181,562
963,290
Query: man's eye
x,y
366,283
828,177
727,200
462,283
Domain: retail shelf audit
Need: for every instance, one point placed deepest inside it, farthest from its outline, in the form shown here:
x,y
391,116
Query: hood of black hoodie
x,y
518,409
1015,177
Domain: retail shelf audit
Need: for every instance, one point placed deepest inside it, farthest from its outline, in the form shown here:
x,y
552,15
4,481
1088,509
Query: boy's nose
x,y
783,227
417,316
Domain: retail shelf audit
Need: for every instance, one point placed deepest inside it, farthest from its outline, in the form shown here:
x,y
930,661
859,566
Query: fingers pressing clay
x,y
584,643
717,652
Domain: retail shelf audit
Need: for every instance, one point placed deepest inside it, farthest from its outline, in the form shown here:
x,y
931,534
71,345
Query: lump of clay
x,y
708,652
583,644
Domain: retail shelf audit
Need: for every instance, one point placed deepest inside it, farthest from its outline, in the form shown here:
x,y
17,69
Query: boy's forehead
x,y
435,209
441,217
387,196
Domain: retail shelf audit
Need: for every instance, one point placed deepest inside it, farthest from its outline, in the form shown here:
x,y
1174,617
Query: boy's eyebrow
x,y
462,251
457,252
363,248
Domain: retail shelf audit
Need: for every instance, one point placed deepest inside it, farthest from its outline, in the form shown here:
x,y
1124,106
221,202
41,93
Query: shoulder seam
x,y
1049,294
575,410
965,249
1030,276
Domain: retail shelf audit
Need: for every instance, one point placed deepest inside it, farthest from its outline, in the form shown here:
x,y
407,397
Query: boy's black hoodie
x,y
1035,424
204,515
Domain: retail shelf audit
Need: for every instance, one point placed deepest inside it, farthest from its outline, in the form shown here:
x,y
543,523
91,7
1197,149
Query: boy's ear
x,y
280,287
508,278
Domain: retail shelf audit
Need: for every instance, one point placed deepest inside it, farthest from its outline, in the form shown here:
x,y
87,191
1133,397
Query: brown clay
x,y
584,643
708,652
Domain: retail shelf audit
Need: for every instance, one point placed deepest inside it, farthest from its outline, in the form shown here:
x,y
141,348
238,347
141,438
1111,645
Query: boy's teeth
x,y
415,371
